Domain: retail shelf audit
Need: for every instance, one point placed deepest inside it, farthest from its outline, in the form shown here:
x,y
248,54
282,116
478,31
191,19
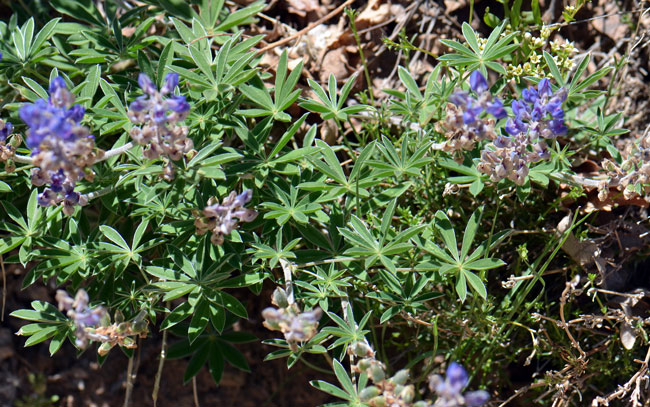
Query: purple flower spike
x,y
477,82
62,149
159,116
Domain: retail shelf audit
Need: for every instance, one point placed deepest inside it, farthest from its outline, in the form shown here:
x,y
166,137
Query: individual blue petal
x,y
456,378
558,127
159,114
56,84
6,131
544,88
146,84
472,110
477,82
171,81
495,108
529,95
243,198
178,104
515,127
76,113
476,398
139,104
460,98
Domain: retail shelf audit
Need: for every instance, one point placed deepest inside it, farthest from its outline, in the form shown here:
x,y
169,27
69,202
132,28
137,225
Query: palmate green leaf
x,y
470,37
555,71
470,232
179,314
461,287
199,357
484,264
446,230
331,389
114,236
200,319
409,82
476,283
83,10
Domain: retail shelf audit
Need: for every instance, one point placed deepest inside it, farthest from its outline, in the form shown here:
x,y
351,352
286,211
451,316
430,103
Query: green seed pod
x,y
104,348
139,326
420,403
378,401
119,316
408,394
368,393
123,327
361,349
398,389
280,298
364,364
377,373
400,377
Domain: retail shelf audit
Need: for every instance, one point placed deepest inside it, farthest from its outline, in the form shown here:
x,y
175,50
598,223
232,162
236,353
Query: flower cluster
x,y
538,117
296,326
449,390
632,176
463,125
394,391
93,324
62,149
159,115
221,219
81,314
386,390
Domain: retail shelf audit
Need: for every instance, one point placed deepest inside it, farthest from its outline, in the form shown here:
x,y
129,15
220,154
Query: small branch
x,y
287,269
22,159
4,288
161,363
129,382
101,192
115,151
195,391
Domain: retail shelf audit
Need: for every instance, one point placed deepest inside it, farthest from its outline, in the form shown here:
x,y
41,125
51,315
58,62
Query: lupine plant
x,y
158,179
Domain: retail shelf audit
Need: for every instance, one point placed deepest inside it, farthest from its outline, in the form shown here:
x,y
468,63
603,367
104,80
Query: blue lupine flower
x,y
6,128
222,218
449,389
154,106
159,112
464,125
533,110
538,116
483,102
63,150
81,314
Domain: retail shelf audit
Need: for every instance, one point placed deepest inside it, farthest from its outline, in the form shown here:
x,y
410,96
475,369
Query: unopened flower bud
x,y
400,377
368,393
